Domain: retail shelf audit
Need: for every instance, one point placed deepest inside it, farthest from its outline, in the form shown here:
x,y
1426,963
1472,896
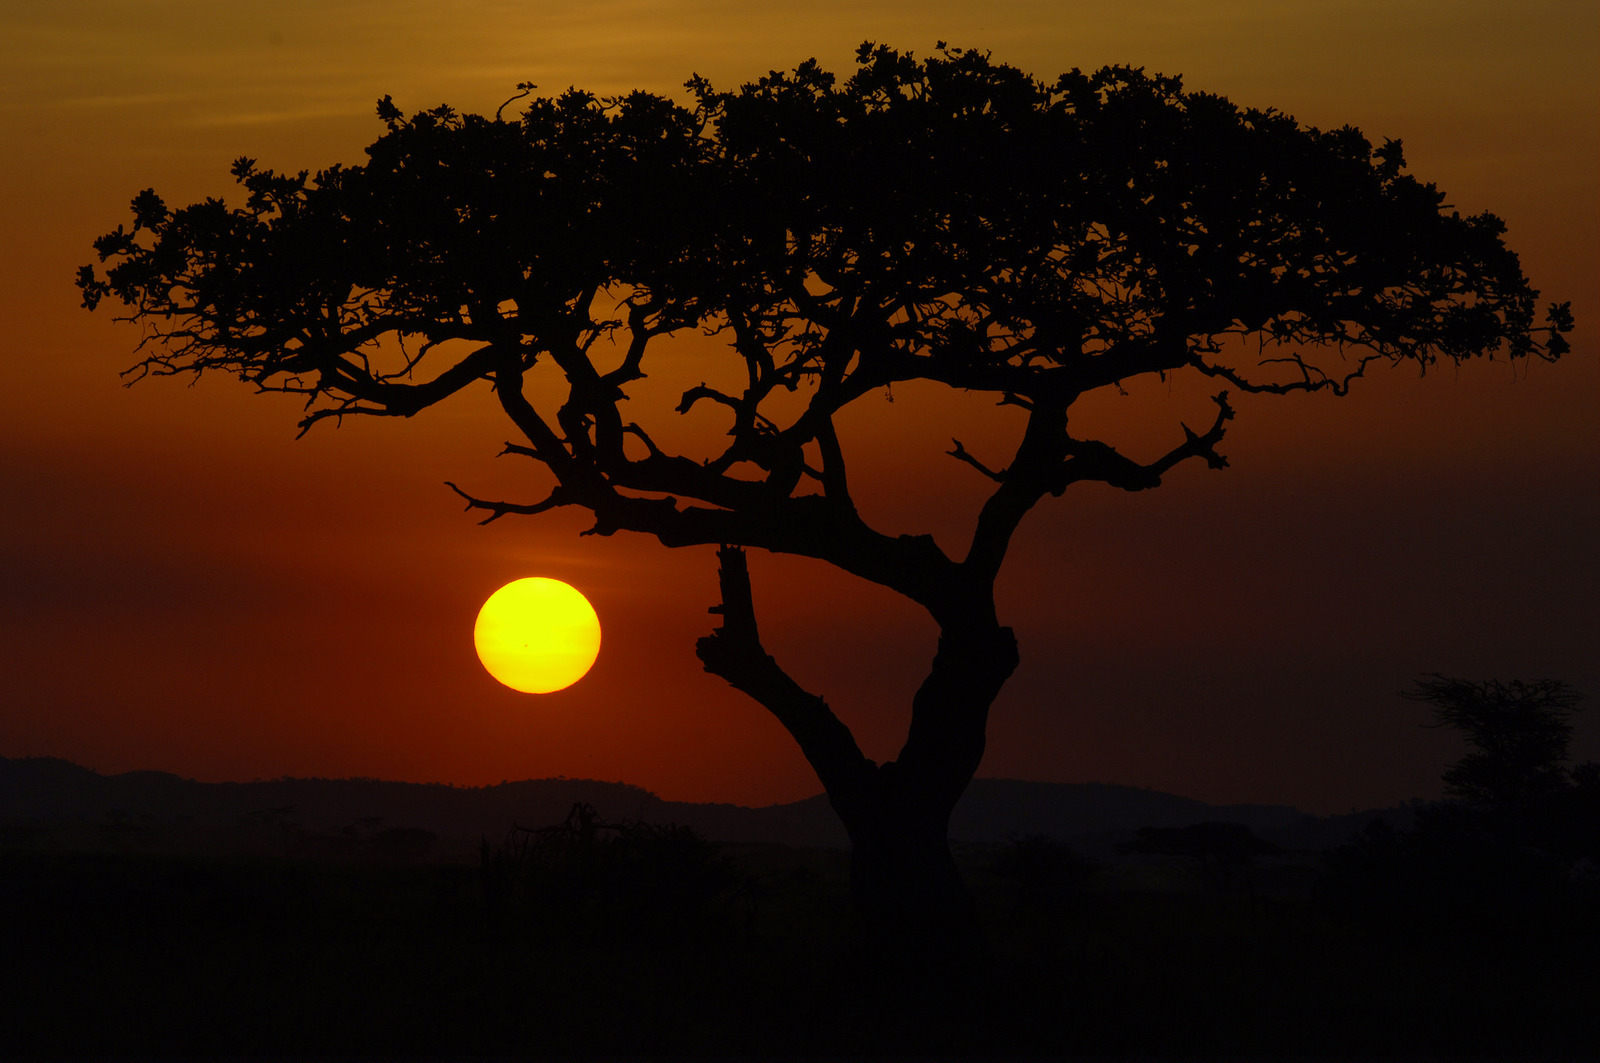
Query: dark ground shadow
x,y
638,941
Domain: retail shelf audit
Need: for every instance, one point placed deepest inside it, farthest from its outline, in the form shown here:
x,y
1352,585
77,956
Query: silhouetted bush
x,y
1043,873
1223,853
1452,881
626,883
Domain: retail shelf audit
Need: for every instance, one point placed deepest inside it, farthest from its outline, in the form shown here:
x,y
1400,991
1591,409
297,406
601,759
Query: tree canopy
x,y
947,219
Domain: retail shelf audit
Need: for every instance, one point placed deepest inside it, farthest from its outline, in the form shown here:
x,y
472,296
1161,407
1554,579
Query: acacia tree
x,y
949,220
1518,730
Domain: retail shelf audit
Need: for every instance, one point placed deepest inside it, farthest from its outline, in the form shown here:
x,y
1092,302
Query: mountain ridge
x,y
48,796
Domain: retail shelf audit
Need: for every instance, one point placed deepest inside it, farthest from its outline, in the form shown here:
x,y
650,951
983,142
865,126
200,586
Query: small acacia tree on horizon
x,y
1518,730
949,220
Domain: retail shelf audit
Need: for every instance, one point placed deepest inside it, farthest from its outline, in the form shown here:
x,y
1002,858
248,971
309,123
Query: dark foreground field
x,y
744,953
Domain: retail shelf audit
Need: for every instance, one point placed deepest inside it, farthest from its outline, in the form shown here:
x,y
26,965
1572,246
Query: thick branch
x,y
1091,460
641,333
950,711
1048,461
809,526
835,481
734,652
1044,444
547,446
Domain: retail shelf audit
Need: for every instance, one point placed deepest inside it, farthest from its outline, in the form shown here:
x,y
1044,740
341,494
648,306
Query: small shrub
x,y
1043,873
621,883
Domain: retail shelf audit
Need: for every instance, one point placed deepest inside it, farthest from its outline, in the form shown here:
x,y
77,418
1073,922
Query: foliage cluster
x,y
950,219
586,880
1043,873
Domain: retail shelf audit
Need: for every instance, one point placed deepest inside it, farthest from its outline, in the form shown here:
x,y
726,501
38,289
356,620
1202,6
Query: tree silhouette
x,y
1516,781
1506,863
1519,733
948,220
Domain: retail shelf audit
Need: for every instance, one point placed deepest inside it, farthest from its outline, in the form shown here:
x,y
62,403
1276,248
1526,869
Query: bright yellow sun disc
x,y
537,635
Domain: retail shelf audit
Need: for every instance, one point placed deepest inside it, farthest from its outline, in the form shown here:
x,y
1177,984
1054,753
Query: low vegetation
x,y
647,942
1469,931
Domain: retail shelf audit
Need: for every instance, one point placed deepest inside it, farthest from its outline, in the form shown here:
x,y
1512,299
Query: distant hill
x,y
45,800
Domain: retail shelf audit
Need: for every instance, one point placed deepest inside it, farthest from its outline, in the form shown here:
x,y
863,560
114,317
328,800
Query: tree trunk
x,y
904,880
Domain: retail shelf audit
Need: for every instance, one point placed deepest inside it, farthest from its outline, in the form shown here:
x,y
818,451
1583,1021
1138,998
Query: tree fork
x,y
904,880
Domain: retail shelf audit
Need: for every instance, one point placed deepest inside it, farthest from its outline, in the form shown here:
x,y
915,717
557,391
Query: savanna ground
x,y
678,949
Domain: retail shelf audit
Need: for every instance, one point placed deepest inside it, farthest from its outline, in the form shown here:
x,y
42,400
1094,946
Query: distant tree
x,y
948,220
1223,853
1045,874
1519,732
590,881
1516,782
1509,863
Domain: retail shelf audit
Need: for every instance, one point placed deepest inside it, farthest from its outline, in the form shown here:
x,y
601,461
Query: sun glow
x,y
537,635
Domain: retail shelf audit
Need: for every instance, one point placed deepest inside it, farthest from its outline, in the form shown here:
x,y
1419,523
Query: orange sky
x,y
183,586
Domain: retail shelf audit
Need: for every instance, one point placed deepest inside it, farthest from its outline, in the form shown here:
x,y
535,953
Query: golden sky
x,y
183,586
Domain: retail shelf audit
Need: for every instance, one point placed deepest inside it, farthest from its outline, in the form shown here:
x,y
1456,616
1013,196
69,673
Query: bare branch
x,y
350,407
960,454
633,429
702,391
1202,446
500,509
1313,378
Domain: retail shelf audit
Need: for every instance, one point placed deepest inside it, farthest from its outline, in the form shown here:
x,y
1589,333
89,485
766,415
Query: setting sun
x,y
537,635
